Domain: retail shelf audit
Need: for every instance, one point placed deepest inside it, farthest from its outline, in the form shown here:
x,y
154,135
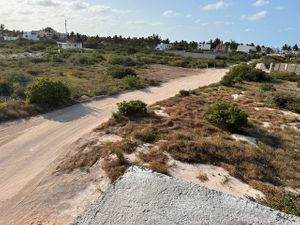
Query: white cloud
x,y
247,30
280,7
261,2
254,17
227,23
215,6
143,23
290,29
170,13
45,3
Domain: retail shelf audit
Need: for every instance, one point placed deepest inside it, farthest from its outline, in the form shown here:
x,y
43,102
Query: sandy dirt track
x,y
28,147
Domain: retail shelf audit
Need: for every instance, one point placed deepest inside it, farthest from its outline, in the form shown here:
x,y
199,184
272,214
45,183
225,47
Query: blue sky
x,y
268,22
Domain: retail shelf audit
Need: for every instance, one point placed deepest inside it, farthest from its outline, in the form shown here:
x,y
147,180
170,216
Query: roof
x,y
144,197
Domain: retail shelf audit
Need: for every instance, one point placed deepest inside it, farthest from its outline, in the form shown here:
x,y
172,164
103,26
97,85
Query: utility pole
x,y
66,28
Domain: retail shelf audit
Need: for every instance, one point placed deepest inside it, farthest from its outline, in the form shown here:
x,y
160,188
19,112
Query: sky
x,y
264,22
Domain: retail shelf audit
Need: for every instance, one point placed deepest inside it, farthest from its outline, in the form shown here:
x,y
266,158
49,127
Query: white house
x,y
31,35
163,47
246,48
7,38
204,46
70,45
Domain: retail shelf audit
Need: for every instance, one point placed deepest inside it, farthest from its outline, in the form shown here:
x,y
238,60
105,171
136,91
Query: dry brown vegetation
x,y
187,136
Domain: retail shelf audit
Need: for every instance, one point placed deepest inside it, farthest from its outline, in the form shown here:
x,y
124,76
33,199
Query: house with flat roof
x,y
31,35
204,46
69,45
246,48
163,47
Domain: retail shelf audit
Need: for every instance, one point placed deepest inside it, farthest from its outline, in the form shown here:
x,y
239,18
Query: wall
x,y
199,55
294,68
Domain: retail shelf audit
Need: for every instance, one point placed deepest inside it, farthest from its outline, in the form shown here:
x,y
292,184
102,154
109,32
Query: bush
x,y
47,92
287,202
146,135
244,72
6,88
267,87
121,72
123,61
183,93
134,107
227,81
286,101
282,75
131,82
227,116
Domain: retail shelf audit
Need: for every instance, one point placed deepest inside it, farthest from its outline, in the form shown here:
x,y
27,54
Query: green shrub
x,y
287,202
227,116
146,135
282,75
227,81
267,87
286,101
86,59
131,108
6,89
131,82
45,91
122,61
121,72
183,93
244,72
121,157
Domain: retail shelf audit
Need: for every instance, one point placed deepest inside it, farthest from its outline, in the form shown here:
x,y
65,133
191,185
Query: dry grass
x,y
202,177
187,136
155,160
114,168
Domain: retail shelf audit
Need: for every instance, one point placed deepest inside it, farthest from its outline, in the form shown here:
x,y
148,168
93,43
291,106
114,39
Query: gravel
x,y
143,197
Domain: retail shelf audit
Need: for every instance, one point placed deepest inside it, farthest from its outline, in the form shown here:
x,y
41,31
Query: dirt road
x,y
28,147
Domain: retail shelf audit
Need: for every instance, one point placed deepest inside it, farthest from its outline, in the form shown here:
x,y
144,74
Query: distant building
x,y
221,47
70,45
50,33
263,50
163,47
246,48
31,35
275,50
204,46
8,38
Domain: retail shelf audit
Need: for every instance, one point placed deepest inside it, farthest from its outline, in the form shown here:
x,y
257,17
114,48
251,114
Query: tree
x,y
46,91
2,28
258,48
296,48
285,47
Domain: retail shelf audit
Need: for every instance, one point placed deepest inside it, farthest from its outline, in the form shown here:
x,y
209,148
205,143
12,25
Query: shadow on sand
x,y
71,113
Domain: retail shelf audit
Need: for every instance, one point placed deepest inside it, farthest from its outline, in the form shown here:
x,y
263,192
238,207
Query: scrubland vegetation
x,y
108,70
198,131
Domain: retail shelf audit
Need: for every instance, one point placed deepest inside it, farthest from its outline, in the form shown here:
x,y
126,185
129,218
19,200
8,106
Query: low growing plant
x,y
131,108
183,93
120,72
45,91
244,72
227,116
267,87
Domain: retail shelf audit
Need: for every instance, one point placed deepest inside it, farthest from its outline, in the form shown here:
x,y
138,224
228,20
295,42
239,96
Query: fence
x,y
285,67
